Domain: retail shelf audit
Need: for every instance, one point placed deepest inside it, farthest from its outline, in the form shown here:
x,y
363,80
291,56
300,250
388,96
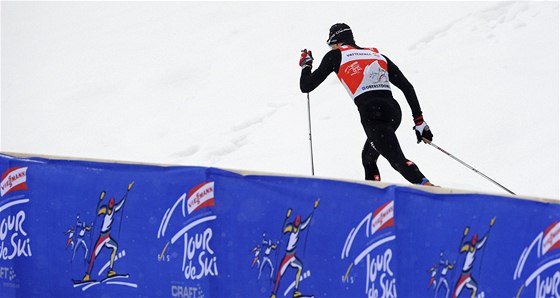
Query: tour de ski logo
x,y
538,268
376,227
293,256
92,241
193,211
442,282
15,240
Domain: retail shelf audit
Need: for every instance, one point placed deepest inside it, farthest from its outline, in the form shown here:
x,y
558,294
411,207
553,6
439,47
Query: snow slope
x,y
217,84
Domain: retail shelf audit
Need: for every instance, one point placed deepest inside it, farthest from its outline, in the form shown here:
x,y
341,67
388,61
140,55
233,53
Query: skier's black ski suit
x,y
380,115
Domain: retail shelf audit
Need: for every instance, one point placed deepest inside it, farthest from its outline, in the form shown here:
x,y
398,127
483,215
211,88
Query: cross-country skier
x,y
81,228
365,73
290,259
70,239
470,248
433,273
268,247
256,250
105,240
444,267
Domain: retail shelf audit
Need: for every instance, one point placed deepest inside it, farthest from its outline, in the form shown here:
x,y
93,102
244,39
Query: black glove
x,y
422,130
306,59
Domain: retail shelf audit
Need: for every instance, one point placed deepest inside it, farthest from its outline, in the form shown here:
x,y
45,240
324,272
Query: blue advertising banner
x,y
93,229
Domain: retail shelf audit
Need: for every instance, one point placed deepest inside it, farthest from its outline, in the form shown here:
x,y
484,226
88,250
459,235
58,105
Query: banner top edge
x,y
434,190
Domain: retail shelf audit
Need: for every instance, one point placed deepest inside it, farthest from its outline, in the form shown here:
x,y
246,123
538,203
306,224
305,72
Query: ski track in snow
x,y
482,22
237,137
234,138
186,153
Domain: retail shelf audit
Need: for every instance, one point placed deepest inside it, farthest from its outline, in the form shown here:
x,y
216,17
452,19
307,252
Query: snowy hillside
x,y
217,84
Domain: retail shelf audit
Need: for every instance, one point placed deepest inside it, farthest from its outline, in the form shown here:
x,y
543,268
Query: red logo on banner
x,y
201,196
383,217
13,179
551,238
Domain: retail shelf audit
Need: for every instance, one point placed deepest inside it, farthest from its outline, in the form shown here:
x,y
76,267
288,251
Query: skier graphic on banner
x,y
105,238
433,272
470,248
256,260
267,246
438,278
81,229
290,259
70,239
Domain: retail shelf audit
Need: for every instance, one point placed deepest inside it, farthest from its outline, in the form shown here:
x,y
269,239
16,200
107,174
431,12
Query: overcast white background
x,y
217,84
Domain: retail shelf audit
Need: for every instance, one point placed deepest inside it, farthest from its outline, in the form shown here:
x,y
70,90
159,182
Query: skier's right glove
x,y
422,130
306,59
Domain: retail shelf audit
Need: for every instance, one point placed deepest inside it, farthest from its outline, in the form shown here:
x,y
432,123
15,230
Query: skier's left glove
x,y
422,130
306,59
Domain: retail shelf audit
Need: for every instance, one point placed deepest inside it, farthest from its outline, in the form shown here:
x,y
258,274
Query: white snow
x,y
217,84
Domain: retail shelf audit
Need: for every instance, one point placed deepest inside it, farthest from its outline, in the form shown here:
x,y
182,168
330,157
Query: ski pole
x,y
310,136
122,212
484,248
466,165
315,205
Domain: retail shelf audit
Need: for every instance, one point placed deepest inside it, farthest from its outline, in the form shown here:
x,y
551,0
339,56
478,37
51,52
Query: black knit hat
x,y
340,33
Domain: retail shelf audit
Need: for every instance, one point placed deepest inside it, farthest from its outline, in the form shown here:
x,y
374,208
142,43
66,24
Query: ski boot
x,y
111,273
86,277
296,294
427,182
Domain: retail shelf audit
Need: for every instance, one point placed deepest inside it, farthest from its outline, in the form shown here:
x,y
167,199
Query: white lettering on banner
x,y
379,265
199,259
547,282
380,279
7,273
549,287
4,272
183,292
199,245
12,178
11,228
